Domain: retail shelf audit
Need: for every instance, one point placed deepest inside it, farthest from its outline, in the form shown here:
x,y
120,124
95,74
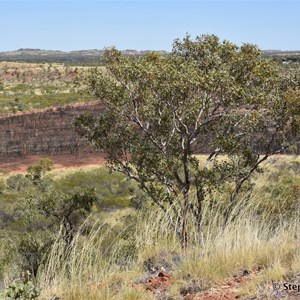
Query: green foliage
x,y
33,101
2,186
20,290
16,105
111,189
18,183
36,172
207,95
43,215
39,86
33,216
125,250
280,196
60,205
31,250
19,88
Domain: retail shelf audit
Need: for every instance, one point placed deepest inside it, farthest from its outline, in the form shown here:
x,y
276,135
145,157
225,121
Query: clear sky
x,y
145,24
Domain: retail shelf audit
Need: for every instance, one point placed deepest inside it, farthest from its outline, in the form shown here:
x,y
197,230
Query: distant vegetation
x,y
72,58
25,87
33,78
283,56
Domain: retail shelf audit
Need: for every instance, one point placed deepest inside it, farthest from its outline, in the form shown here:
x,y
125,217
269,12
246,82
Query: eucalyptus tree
x,y
206,96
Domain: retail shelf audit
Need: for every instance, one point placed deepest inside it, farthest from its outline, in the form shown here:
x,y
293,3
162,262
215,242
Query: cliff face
x,y
45,132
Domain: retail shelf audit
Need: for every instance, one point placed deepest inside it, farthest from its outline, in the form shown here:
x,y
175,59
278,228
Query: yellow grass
x,y
246,243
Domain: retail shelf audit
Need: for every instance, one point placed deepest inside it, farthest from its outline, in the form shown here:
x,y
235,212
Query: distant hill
x,y
281,52
91,57
84,57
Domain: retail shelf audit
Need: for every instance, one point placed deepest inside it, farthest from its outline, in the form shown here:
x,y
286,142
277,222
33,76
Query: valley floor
x,y
67,161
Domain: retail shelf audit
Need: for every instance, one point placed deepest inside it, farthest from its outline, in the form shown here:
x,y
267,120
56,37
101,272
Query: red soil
x,y
161,281
225,290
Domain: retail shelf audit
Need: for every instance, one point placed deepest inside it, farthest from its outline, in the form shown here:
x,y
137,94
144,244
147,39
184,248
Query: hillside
x,y
43,132
28,86
81,57
91,57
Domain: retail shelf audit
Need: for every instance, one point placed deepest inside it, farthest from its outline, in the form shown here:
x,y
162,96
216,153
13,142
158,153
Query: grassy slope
x,y
112,271
107,262
29,86
111,189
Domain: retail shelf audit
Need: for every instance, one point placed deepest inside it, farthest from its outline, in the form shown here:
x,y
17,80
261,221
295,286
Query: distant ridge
x,y
33,51
88,57
281,52
91,57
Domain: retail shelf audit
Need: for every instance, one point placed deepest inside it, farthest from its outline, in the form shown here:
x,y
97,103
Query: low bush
x,y
18,183
20,290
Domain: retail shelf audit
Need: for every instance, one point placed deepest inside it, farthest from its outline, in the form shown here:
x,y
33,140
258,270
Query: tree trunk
x,y
200,199
185,217
184,228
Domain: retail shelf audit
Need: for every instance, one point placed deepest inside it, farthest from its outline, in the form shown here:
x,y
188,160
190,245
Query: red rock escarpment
x,y
45,132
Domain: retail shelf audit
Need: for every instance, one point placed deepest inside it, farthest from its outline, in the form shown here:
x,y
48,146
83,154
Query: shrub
x,y
2,186
279,191
36,172
112,190
18,183
20,290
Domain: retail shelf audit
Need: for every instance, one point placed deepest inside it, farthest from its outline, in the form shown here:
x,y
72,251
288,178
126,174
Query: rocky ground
x,y
159,279
226,290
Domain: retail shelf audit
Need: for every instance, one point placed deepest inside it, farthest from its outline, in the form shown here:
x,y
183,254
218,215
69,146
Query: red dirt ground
x,y
225,290
161,281
66,161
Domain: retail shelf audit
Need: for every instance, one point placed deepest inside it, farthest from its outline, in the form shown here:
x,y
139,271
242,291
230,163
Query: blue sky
x,y
145,24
